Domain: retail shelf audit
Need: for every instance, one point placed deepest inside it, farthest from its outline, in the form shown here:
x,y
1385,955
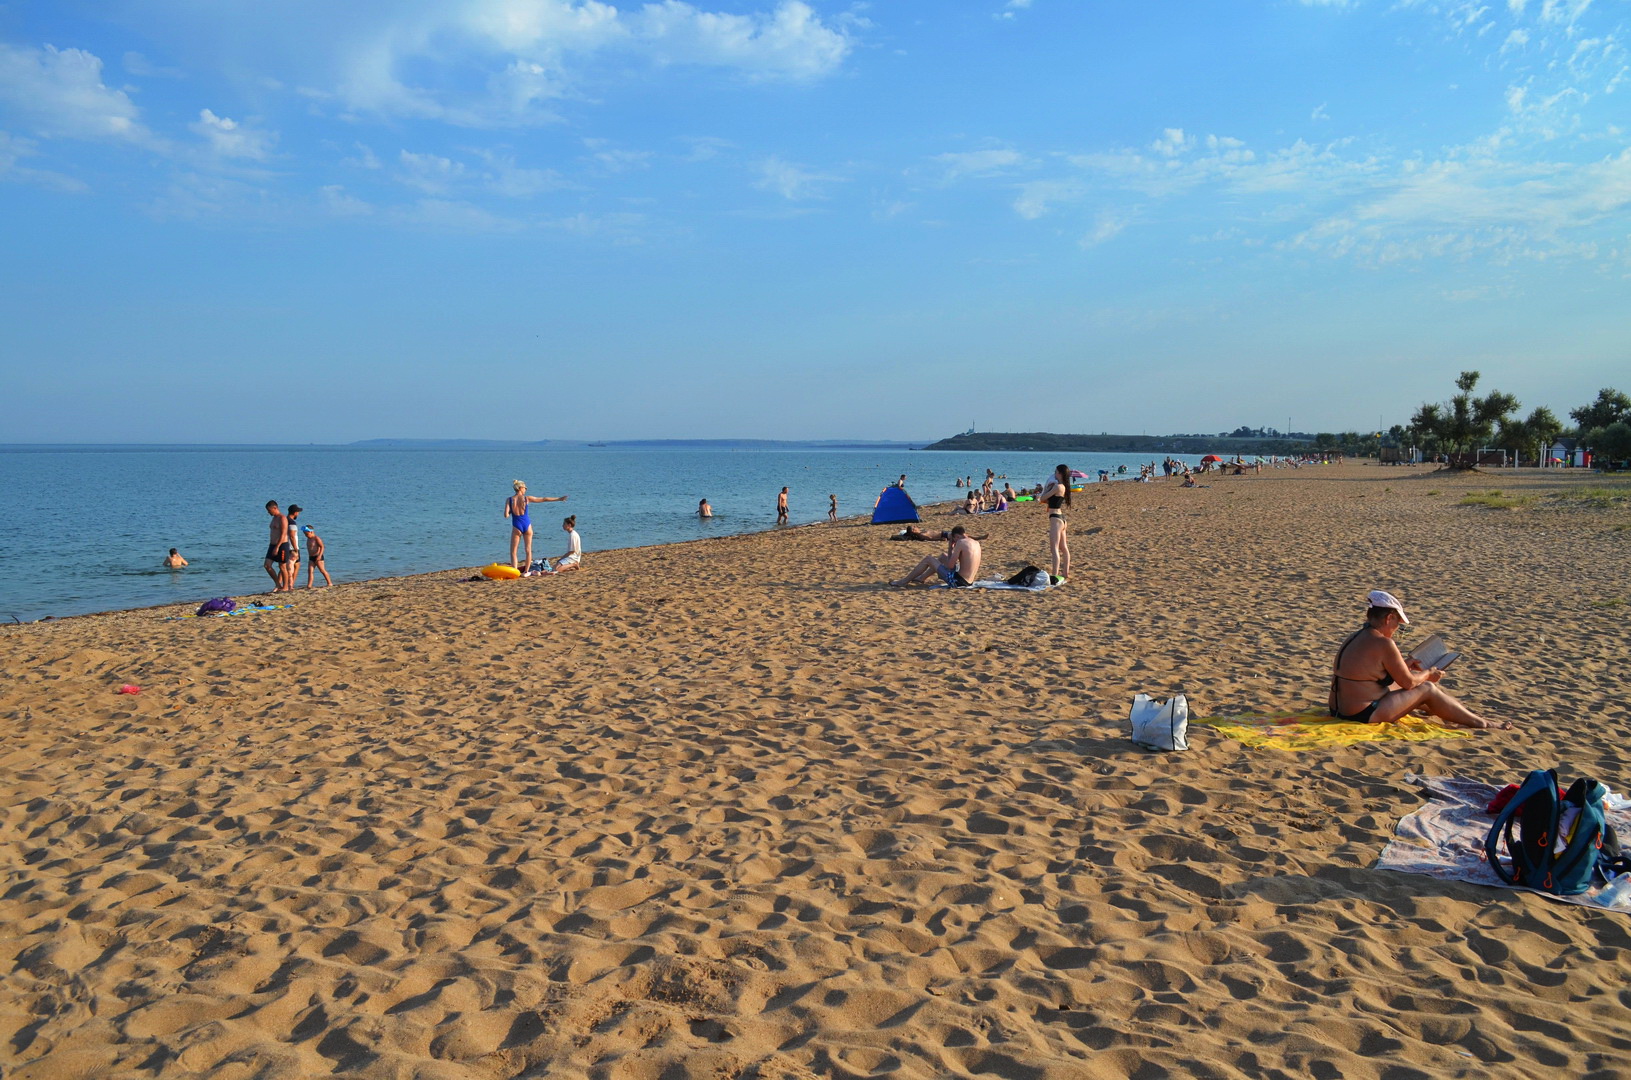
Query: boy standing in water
x,y
781,508
314,556
832,508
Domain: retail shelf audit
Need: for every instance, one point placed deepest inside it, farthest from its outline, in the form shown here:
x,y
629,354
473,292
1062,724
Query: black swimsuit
x,y
1363,715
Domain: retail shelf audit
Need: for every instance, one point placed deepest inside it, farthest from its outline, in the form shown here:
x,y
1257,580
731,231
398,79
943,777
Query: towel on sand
x,y
1315,730
1445,838
247,609
998,583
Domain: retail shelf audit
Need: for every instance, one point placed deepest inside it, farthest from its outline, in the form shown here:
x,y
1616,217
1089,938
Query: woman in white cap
x,y
1372,682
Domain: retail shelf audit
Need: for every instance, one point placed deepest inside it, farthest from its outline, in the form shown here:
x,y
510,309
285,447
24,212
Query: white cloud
x,y
1516,40
230,139
454,216
491,63
1566,12
1011,8
612,159
790,43
430,173
141,67
979,162
337,201
504,177
365,159
1106,227
1319,114
1456,209
59,92
792,182
13,150
1039,197
1172,142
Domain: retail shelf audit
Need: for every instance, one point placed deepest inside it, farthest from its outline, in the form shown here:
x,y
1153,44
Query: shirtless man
x,y
277,549
781,508
958,567
174,561
704,510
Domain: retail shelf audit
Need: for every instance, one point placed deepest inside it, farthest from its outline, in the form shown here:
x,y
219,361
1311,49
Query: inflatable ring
x,y
500,572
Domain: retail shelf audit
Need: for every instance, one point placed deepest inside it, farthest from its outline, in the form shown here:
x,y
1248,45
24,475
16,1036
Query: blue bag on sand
x,y
1552,840
221,605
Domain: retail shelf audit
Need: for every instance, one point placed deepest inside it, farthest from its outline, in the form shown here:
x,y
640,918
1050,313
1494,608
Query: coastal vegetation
x,y
1463,430
1464,426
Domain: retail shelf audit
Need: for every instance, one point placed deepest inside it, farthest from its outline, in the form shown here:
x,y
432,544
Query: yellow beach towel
x,y
1314,730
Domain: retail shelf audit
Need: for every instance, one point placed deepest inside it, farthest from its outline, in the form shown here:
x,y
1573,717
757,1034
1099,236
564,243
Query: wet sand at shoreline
x,y
735,808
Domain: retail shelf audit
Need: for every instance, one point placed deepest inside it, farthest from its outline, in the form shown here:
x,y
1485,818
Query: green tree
x,y
1610,445
1611,406
1543,428
1464,423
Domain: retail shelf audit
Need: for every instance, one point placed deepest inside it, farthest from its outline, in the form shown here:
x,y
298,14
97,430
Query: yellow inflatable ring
x,y
500,572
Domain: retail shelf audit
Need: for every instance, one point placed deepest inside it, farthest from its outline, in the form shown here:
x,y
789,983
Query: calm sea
x,y
85,530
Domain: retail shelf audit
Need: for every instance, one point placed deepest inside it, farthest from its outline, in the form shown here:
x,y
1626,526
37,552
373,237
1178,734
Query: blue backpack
x,y
1527,830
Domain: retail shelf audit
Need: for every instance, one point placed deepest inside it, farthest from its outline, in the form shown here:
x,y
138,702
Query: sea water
x,y
87,529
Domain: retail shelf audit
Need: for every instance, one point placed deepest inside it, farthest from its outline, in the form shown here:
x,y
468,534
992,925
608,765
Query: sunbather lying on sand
x,y
912,532
1369,663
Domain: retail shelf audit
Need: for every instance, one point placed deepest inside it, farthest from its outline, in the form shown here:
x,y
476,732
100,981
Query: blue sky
x,y
225,220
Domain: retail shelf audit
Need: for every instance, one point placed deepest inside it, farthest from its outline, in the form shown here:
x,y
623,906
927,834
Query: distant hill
x,y
1048,442
634,444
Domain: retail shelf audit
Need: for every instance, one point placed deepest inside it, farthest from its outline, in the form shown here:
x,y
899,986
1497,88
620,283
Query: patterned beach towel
x,y
247,609
1315,730
1445,838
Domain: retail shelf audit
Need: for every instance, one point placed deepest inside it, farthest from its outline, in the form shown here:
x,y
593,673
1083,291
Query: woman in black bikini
x,y
1057,494
1369,664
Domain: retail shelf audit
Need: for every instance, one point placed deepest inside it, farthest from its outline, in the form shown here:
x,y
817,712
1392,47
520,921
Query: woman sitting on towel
x,y
1373,683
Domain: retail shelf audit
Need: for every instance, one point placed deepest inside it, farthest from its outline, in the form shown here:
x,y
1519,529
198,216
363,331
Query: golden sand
x,y
735,808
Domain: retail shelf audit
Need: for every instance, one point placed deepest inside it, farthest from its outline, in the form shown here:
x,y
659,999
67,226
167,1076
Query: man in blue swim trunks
x,y
958,567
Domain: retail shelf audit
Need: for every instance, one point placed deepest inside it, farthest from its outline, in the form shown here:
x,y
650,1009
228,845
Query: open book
x,y
1433,653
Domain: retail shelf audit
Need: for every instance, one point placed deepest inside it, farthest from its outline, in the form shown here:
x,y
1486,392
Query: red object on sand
x,y
1504,796
129,689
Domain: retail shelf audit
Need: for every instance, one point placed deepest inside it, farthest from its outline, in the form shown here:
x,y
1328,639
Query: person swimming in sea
x,y
174,561
704,510
515,508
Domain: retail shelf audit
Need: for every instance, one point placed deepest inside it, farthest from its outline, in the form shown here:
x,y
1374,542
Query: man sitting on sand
x,y
1369,663
958,567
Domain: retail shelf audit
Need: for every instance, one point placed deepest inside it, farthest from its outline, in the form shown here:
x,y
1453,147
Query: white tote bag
x,y
1160,725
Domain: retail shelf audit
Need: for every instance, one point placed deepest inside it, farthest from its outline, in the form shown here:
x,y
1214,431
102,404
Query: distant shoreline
x,y
487,444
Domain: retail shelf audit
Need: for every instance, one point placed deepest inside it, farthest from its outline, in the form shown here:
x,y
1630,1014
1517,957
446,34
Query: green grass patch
x,y
1495,500
1611,602
1435,492
1601,497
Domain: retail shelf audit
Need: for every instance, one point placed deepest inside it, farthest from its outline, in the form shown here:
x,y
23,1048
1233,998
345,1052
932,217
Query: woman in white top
x,y
573,559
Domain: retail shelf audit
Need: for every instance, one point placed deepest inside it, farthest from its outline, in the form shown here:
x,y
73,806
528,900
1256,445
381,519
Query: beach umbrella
x,y
1211,457
1078,474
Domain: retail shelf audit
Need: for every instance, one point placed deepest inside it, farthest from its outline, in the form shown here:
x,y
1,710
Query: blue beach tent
x,y
894,506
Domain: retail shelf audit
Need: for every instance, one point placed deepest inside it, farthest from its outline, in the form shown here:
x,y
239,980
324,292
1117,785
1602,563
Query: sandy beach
x,y
735,808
